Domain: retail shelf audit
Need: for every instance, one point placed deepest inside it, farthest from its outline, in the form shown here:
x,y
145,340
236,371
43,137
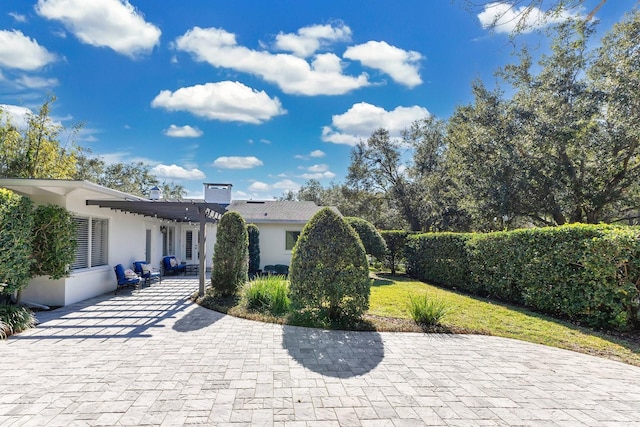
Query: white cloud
x,y
314,154
117,157
31,82
309,39
504,18
286,185
183,131
318,168
236,162
225,101
318,172
17,115
177,172
282,185
401,65
239,195
21,52
259,186
362,119
18,17
319,175
294,75
112,23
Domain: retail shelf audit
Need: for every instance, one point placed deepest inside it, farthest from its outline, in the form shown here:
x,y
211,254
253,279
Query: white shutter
x,y
99,239
82,250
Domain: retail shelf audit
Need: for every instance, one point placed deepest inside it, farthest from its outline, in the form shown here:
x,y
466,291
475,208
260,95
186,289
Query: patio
x,y
154,358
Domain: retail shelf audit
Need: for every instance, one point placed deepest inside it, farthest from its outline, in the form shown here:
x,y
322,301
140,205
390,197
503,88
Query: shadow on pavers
x,y
198,318
341,354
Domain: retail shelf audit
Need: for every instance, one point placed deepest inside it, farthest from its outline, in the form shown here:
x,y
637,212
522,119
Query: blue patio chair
x,y
171,266
122,280
147,274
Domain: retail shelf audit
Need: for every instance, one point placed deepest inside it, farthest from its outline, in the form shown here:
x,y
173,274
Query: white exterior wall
x,y
126,244
273,243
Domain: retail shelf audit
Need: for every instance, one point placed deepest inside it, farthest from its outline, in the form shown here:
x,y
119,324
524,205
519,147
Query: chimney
x,y
218,193
155,193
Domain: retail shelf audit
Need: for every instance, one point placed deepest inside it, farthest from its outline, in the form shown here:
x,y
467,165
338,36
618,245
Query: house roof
x,y
96,195
184,210
275,210
63,187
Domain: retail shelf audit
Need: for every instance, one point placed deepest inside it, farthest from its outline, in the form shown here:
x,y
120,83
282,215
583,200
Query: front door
x,y
191,238
147,246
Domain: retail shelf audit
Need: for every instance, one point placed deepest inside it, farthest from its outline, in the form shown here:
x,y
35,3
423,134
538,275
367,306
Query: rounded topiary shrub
x,y
329,274
230,257
254,248
372,241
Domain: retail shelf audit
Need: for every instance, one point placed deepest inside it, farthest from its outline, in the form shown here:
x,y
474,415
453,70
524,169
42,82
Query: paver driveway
x,y
153,358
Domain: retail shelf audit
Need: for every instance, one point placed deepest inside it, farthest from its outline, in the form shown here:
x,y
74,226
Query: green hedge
x,y
16,225
440,258
584,273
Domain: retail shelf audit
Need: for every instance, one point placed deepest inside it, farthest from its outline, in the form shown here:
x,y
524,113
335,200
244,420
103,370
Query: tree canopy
x,y
37,151
556,141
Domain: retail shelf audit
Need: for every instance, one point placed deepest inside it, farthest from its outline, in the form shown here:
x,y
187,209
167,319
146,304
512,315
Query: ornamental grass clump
x,y
267,294
427,311
15,319
329,276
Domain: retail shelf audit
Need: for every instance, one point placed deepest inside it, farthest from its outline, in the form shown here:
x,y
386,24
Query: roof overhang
x,y
171,210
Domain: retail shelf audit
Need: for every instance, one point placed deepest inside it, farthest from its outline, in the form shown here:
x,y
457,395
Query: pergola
x,y
187,210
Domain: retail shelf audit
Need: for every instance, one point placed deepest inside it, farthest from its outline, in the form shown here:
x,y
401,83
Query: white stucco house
x,y
120,228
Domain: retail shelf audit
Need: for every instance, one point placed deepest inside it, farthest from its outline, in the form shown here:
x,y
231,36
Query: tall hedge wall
x,y
16,224
584,273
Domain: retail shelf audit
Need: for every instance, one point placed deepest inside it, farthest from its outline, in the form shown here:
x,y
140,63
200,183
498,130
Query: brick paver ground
x,y
153,358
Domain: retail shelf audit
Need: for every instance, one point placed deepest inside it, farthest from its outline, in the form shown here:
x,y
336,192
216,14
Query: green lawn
x,y
390,296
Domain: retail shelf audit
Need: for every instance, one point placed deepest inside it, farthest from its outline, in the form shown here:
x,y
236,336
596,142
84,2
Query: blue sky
x,y
262,95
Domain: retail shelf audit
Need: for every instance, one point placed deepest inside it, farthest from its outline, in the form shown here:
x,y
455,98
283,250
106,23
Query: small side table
x,y
192,269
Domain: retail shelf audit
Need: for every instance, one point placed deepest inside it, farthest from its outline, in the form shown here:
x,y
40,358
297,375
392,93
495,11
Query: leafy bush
x,y
14,319
372,241
426,311
442,257
267,293
254,248
396,241
585,273
329,273
16,238
54,241
230,257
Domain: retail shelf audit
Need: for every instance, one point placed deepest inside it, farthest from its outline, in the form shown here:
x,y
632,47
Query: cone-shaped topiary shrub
x,y
254,248
329,275
372,241
230,257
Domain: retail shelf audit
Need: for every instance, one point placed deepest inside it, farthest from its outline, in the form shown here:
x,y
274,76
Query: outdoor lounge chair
x,y
171,265
146,273
122,280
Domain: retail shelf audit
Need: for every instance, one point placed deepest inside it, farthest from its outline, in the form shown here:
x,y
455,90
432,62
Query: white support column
x,y
202,246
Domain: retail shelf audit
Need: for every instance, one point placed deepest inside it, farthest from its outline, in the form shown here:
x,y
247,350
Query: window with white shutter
x,y
82,237
99,240
93,237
